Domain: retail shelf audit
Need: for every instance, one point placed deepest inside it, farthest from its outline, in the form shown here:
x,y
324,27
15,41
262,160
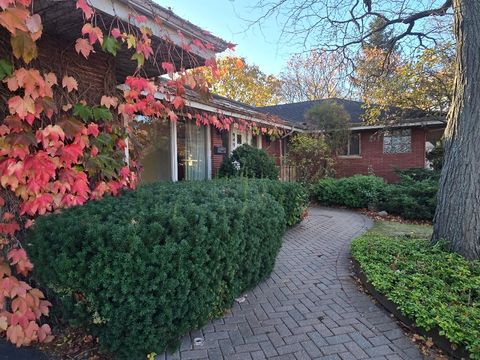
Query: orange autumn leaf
x,y
94,33
70,83
14,18
82,46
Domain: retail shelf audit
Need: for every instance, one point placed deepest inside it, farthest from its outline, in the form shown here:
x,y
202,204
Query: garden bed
x,y
432,291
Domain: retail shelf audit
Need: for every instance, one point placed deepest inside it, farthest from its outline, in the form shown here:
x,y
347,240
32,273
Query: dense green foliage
x,y
249,162
333,120
417,174
359,191
411,199
141,270
291,195
433,287
414,197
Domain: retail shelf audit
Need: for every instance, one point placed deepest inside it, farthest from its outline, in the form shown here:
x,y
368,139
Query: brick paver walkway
x,y
309,308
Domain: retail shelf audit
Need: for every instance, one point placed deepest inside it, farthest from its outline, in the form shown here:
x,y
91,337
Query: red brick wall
x,y
372,158
273,148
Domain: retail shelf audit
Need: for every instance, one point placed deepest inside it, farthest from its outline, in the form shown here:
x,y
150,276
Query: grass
x,y
435,288
393,228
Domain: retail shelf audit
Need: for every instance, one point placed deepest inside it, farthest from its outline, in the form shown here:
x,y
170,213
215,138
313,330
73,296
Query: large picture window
x,y
157,159
397,141
192,152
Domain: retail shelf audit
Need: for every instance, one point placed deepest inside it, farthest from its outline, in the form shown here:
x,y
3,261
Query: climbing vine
x,y
60,148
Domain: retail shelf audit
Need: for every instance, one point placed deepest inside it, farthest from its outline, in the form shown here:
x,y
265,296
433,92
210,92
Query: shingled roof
x,y
295,112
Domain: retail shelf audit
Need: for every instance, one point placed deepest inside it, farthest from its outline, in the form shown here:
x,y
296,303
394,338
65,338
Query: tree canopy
x,y
313,75
240,81
333,121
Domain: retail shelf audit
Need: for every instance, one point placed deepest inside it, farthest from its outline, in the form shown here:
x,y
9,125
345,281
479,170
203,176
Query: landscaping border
x,y
456,351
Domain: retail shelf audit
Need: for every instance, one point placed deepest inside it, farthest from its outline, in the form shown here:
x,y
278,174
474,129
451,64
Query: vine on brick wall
x,y
59,149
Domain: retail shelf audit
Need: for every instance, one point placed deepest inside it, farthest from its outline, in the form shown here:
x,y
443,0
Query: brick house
x,y
373,149
181,150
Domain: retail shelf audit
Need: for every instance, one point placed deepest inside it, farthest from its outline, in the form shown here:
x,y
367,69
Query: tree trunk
x,y
457,218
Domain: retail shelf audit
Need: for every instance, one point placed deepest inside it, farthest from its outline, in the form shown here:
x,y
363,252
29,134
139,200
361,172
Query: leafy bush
x,y
405,270
411,199
417,174
249,162
141,270
292,196
358,191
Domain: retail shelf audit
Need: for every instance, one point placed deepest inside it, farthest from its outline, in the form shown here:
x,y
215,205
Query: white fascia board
x,y
400,125
123,10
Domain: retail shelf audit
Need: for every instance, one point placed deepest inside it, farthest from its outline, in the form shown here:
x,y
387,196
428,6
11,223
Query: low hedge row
x,y
142,269
435,288
410,198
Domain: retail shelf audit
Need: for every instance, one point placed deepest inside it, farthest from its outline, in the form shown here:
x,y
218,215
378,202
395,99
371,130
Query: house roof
x,y
295,113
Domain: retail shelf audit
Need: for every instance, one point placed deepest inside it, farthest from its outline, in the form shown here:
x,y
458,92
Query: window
x,y
353,146
157,149
397,141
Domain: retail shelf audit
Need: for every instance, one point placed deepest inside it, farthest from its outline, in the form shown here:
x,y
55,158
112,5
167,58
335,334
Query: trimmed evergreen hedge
x,y
414,197
359,191
141,270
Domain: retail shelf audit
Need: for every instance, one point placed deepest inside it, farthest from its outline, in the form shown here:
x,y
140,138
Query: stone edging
x,y
441,341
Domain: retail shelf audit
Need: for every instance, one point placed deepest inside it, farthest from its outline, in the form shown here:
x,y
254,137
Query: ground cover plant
x,y
400,263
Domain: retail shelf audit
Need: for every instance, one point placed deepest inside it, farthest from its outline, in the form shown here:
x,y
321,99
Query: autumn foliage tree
x,y
235,79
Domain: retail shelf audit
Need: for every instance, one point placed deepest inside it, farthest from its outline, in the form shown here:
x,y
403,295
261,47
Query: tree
x,y
314,75
237,80
333,121
341,26
424,84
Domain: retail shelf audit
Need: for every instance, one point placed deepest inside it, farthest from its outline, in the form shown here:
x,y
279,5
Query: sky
x,y
228,19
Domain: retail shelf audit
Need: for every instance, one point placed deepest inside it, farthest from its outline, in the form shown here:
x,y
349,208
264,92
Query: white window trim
x,y
208,149
174,150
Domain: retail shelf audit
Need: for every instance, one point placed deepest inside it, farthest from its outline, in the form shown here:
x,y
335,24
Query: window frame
x,y
348,153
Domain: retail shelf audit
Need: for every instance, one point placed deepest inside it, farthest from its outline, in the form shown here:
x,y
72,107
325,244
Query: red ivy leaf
x,y
87,10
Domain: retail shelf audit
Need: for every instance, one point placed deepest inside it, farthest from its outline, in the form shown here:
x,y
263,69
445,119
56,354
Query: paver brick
x,y
309,308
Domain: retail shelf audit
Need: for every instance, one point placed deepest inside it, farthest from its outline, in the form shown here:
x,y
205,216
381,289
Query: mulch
x,y
375,216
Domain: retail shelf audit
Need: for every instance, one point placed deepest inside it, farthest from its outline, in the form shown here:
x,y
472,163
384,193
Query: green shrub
x,y
141,270
249,162
292,196
411,199
326,191
358,191
435,288
417,174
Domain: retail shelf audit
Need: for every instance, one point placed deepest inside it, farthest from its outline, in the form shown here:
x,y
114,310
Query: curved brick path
x,y
309,308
